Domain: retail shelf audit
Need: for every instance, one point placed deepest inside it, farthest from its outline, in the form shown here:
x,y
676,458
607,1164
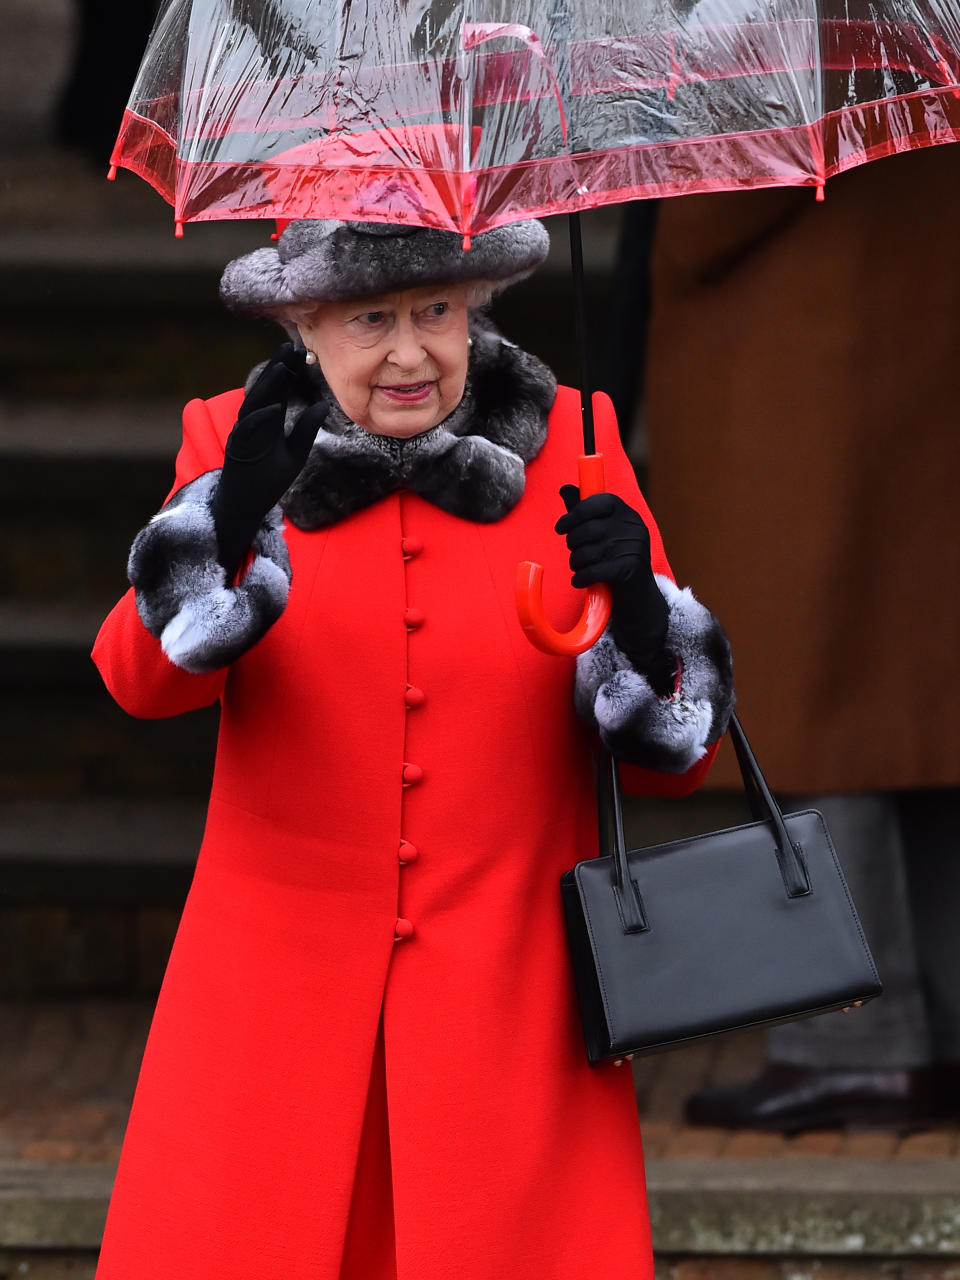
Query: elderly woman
x,y
366,1060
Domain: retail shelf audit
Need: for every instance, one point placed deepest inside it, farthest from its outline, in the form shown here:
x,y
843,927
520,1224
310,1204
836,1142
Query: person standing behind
x,y
802,414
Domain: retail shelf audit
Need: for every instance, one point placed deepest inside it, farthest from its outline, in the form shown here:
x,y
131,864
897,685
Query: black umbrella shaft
x,y
580,312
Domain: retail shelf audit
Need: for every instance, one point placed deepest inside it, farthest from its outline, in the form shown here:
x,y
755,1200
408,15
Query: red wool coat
x,y
395,758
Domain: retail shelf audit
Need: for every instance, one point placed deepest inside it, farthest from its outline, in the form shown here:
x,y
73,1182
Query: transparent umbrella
x,y
468,115
495,110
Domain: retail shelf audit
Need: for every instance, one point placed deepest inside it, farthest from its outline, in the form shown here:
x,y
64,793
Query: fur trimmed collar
x,y
471,465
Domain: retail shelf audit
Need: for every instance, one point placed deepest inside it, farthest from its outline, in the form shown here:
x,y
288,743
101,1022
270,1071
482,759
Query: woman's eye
x,y
438,309
372,317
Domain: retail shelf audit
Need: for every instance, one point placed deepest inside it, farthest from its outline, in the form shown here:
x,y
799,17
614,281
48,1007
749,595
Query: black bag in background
x,y
739,928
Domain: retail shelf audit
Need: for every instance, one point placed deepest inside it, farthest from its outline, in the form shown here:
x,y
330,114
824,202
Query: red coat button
x,y
402,930
412,546
413,618
412,774
414,697
408,852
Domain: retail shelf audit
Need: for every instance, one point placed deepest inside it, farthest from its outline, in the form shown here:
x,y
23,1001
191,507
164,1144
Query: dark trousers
x,y
900,853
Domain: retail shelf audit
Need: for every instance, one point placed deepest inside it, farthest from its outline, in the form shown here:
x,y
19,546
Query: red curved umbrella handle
x,y
529,588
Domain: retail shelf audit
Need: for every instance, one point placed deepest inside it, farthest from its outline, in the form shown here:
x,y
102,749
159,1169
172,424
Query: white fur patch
x,y
198,621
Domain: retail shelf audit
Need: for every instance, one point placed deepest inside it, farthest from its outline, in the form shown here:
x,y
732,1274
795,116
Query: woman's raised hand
x,y
261,460
609,542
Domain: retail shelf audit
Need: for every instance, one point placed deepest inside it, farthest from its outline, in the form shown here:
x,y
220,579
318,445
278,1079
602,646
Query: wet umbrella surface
x,y
494,110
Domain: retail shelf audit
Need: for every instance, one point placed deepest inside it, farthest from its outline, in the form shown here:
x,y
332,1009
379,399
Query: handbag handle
x,y
763,806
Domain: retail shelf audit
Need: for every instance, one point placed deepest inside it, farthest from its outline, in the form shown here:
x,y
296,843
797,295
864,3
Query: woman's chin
x,y
402,423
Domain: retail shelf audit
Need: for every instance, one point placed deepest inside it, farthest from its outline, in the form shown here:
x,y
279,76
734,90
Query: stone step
x,y
117,833
64,736
91,891
66,525
835,1206
829,1217
53,1206
49,629
103,430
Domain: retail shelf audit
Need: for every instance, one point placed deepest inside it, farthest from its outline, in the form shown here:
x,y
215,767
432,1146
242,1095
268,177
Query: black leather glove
x,y
609,542
261,461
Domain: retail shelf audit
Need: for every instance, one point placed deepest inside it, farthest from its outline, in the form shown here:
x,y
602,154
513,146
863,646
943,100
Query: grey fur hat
x,y
320,261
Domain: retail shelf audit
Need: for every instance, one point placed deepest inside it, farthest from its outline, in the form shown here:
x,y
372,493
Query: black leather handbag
x,y
745,927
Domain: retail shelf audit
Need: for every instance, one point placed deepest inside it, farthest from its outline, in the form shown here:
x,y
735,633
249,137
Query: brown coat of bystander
x,y
804,418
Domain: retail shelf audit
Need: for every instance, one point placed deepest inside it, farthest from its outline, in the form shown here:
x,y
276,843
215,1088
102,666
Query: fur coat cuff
x,y
183,597
637,725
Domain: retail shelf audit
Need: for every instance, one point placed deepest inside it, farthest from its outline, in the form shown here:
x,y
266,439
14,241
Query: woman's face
x,y
396,363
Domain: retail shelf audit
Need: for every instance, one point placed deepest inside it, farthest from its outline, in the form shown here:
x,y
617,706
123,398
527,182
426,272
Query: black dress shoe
x,y
788,1099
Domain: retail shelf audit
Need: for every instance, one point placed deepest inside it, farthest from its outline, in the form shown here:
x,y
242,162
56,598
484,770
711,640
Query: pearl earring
x,y
311,357
469,342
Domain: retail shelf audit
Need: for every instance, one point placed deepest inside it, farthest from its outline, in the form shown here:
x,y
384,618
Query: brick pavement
x,y
68,1070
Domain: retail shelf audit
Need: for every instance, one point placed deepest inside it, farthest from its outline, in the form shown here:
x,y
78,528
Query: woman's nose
x,y
406,349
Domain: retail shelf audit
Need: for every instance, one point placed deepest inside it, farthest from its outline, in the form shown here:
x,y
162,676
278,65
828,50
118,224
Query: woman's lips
x,y
408,393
